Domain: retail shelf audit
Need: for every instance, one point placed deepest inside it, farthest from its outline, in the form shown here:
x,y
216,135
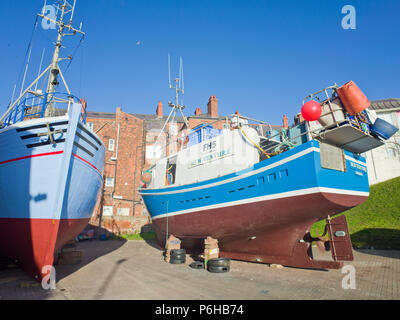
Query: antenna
x,y
72,13
40,68
26,69
169,70
182,82
179,89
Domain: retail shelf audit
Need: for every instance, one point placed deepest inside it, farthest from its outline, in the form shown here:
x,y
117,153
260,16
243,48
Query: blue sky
x,y
259,57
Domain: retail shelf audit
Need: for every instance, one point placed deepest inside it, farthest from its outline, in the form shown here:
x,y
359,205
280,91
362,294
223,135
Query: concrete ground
x,y
135,270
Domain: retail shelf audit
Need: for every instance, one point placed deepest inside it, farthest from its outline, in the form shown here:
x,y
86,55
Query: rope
x,y
255,144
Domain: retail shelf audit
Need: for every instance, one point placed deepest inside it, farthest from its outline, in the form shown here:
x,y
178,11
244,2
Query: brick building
x,y
130,149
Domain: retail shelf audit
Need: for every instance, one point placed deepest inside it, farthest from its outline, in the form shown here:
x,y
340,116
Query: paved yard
x,y
136,270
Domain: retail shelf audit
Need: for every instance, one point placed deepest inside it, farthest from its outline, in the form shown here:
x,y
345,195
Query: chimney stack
x,y
198,112
160,113
213,107
285,122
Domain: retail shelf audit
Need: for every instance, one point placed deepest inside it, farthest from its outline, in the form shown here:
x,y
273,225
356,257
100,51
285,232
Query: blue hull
x,y
49,186
296,171
263,213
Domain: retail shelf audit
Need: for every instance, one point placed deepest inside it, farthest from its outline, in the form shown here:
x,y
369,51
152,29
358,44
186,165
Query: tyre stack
x,y
172,244
177,256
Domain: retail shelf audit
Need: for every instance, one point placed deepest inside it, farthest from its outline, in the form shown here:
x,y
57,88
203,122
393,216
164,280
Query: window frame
x,y
111,142
108,179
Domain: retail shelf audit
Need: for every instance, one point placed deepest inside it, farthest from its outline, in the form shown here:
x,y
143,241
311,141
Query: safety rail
x,y
277,140
29,108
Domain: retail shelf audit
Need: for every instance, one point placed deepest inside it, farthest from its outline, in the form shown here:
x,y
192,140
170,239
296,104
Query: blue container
x,y
103,237
383,129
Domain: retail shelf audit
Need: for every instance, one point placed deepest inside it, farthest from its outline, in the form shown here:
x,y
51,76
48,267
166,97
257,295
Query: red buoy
x,y
311,111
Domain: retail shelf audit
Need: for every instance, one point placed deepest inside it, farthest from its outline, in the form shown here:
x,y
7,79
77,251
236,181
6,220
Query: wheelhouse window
x,y
90,126
170,175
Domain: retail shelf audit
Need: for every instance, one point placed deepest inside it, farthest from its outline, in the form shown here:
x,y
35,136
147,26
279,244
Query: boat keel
x,y
301,255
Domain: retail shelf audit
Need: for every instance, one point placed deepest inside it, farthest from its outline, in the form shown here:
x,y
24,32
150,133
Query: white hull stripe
x,y
268,197
254,172
32,122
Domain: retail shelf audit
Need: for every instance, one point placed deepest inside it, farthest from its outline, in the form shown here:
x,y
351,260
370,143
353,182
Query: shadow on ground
x,y
103,248
16,284
376,238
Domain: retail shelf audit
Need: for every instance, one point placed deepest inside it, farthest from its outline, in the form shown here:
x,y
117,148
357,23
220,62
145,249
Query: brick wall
x,y
130,139
120,209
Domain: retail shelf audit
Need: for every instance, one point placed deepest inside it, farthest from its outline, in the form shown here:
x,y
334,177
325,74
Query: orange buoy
x,y
353,99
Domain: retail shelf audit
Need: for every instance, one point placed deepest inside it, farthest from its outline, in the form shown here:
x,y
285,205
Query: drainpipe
x,y
135,202
116,162
373,164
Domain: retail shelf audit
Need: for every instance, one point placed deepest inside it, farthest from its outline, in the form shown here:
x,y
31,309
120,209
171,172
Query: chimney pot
x,y
285,122
198,112
213,107
160,113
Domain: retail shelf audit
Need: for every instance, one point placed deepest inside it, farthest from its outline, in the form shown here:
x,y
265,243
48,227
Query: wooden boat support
x,y
300,251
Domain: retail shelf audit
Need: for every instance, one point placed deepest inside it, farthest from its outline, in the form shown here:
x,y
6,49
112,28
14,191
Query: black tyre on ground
x,y
177,261
218,269
219,262
197,265
178,252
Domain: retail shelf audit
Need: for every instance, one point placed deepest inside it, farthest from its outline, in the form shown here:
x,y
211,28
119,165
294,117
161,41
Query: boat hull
x,y
266,231
48,191
269,223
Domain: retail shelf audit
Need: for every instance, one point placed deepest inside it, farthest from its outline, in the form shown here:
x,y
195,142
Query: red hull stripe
x,y
33,156
49,154
80,158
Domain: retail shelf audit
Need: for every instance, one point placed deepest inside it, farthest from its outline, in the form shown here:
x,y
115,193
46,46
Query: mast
x,y
179,88
65,8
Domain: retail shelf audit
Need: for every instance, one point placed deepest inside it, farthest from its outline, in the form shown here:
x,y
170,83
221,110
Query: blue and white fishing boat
x,y
259,192
51,167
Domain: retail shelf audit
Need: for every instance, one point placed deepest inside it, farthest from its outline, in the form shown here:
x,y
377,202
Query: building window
x,y
123,212
109,182
392,153
107,211
90,126
111,145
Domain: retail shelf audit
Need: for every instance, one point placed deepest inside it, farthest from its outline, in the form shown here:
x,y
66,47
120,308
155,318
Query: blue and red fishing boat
x,y
259,191
51,168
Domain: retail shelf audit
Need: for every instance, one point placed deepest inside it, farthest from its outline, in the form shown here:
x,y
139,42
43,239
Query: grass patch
x,y
134,236
375,223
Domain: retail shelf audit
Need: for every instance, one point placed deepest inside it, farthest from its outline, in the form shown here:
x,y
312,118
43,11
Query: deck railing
x,y
35,107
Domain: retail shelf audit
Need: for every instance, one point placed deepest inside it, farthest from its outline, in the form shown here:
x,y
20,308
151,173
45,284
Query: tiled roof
x,y
101,115
386,104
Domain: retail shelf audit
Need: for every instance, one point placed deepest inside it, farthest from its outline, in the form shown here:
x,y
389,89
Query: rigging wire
x,y
28,50
81,70
73,54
